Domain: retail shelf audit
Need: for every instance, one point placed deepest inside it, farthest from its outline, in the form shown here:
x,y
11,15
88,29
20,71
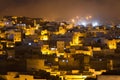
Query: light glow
x,y
73,20
84,23
95,24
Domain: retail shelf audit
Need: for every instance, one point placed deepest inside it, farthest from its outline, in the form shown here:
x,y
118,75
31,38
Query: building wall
x,y
45,49
26,77
108,77
35,64
17,37
112,44
60,46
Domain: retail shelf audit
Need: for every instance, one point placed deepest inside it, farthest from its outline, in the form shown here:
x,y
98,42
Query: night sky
x,y
62,9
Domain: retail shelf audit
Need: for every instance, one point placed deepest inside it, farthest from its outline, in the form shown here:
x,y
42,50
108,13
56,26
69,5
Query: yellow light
x,y
43,32
73,20
15,17
90,16
87,18
44,37
77,17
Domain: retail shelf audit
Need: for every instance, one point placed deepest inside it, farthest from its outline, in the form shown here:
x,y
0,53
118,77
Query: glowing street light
x,y
95,24
87,18
73,20
77,17
90,17
84,23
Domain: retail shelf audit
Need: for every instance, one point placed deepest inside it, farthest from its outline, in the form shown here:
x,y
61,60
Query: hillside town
x,y
38,49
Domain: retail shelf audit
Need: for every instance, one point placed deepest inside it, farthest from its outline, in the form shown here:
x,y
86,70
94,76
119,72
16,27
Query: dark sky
x,y
61,9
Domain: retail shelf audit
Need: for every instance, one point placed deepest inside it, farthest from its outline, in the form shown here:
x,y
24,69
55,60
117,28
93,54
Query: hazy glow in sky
x,y
62,9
